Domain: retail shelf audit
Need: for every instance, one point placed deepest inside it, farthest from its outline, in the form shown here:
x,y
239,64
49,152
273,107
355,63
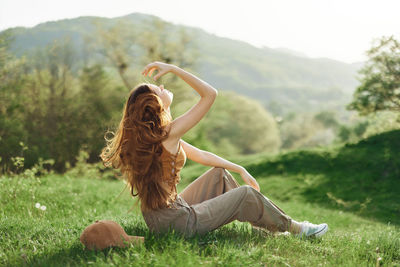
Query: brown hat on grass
x,y
104,233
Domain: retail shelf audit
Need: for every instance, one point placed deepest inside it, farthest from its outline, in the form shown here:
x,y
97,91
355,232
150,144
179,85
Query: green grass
x,y
354,188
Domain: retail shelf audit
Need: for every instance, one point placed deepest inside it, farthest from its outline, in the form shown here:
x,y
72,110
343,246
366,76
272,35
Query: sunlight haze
x,y
341,30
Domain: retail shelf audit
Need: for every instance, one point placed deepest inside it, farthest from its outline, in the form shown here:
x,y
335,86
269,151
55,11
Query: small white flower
x,y
43,207
37,205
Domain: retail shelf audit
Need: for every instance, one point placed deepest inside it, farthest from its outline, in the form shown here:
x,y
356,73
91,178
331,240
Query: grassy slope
x,y
321,185
362,177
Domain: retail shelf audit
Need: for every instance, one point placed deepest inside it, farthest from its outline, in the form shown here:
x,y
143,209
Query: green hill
x,y
363,177
280,79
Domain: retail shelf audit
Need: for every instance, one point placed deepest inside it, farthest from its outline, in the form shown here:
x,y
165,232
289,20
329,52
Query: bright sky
x,y
337,29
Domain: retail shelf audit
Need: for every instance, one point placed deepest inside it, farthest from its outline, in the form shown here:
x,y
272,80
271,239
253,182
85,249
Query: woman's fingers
x,y
161,68
148,68
256,188
255,185
158,75
151,71
145,69
250,180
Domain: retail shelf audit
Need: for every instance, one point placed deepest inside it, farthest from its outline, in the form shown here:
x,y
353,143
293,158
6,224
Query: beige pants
x,y
215,199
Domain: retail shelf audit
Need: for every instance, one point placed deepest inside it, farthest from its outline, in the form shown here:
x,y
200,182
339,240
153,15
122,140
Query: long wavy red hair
x,y
135,148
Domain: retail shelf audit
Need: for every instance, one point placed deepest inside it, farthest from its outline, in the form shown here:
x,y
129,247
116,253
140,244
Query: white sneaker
x,y
312,230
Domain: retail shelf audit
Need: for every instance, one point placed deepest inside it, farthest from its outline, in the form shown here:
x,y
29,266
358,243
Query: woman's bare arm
x,y
202,87
185,122
209,159
190,118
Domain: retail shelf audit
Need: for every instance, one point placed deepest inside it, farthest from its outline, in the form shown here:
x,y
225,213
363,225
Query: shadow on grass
x,y
363,177
235,235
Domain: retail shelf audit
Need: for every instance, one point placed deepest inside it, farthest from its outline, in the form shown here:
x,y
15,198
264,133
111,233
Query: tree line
x,y
51,107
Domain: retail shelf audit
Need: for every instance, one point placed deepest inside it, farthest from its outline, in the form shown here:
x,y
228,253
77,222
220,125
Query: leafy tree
x,y
365,126
50,110
116,44
96,103
300,130
352,133
46,112
12,132
327,118
380,84
236,124
128,47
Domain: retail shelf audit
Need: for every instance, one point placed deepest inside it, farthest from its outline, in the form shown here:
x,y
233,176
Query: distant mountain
x,y
283,80
290,51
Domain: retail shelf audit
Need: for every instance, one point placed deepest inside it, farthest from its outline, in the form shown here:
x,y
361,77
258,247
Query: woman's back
x,y
171,167
172,163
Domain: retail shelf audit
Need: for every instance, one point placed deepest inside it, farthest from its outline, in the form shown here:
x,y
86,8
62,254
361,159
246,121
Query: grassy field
x,y
354,188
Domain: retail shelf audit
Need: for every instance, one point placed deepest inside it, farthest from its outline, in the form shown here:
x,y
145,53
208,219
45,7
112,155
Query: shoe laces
x,y
307,226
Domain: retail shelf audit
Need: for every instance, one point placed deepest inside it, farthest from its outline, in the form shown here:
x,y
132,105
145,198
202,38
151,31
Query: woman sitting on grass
x,y
150,153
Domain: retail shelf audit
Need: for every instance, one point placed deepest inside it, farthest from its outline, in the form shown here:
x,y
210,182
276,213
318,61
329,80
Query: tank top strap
x,y
169,153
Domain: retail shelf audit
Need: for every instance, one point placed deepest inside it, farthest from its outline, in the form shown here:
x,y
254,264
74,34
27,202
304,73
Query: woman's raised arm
x,y
190,118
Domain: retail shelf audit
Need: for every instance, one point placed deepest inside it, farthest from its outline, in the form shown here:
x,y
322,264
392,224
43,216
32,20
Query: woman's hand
x,y
248,179
162,68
